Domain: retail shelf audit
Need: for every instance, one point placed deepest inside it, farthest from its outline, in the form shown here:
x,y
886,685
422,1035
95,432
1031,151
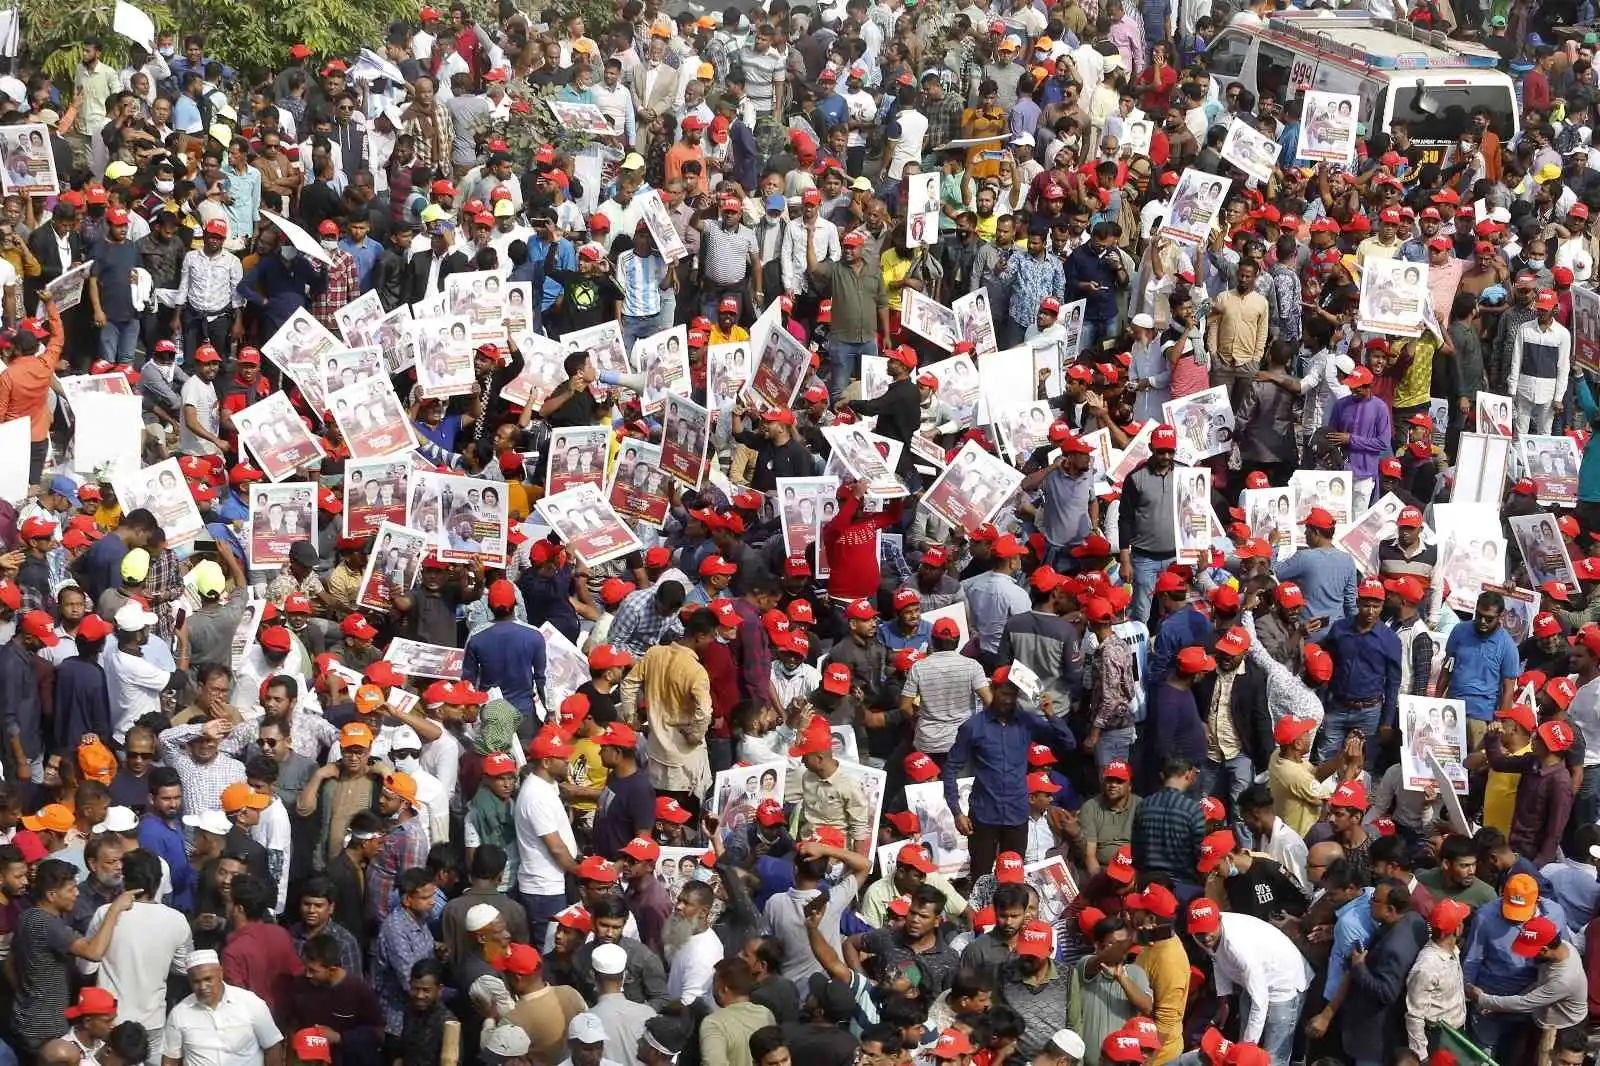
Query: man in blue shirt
x,y
1094,273
1481,665
1365,691
1489,965
992,746
362,249
1326,575
1181,626
508,653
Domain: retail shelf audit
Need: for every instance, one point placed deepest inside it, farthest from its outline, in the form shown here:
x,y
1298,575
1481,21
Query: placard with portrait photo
x,y
392,565
443,350
685,440
371,419
280,516
639,489
374,493
576,455
587,525
161,490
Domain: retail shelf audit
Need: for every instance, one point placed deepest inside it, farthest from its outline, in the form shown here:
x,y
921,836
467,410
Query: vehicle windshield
x,y
1452,110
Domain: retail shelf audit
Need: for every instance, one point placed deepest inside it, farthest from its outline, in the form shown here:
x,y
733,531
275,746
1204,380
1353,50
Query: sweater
x,y
1371,432
851,540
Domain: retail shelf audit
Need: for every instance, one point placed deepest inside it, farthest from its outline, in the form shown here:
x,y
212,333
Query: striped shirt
x,y
640,278
947,685
762,71
727,255
207,283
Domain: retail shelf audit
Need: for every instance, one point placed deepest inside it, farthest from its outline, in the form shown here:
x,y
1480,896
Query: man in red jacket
x,y
851,540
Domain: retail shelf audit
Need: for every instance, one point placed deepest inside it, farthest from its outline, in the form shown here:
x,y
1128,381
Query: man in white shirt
x,y
1256,959
691,946
218,1024
202,417
151,942
1271,835
824,240
546,847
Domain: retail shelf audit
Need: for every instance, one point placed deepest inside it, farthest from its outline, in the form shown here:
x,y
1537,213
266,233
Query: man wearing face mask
x,y
281,282
341,277
1253,883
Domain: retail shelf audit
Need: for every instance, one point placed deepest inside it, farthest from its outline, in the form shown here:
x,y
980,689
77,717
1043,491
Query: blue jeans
x,y
1277,1035
1114,744
1095,331
540,911
844,362
1146,569
1236,773
117,341
1338,723
635,327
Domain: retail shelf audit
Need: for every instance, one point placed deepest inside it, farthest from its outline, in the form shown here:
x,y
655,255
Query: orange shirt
x,y
681,153
25,386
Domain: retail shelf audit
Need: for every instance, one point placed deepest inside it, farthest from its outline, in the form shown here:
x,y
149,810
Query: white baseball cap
x,y
118,820
1024,138
214,822
132,617
587,1028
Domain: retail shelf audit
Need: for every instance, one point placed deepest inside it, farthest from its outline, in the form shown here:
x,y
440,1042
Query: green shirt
x,y
857,299
1474,895
1107,828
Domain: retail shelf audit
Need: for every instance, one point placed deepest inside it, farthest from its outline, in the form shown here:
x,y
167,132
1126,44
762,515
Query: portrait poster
x,y
1270,515
975,321
1071,331
1134,455
856,452
1054,884
566,669
1437,726
1586,327
960,388
345,368
1191,512
640,490
479,297
931,457
662,359
1009,381
1252,152
1552,464
280,516
443,350
299,349
67,290
358,320
1374,526
1047,357
29,160
76,385
1195,207
922,209
780,370
1328,127
1492,414
1137,133
474,517
587,525
973,488
114,445
875,380
1024,428
654,214
1204,422
417,659
1439,415
392,565
946,847
685,440
576,455
244,634
374,493
929,319
1481,463
603,342
1517,618
737,792
371,419
162,491
1332,490
516,307
1394,293
727,373
273,432
542,370
393,335
581,118
799,503
1102,455
1543,550
1472,551
872,782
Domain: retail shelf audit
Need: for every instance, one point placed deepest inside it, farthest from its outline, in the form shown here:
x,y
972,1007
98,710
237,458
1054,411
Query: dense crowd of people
x,y
1215,689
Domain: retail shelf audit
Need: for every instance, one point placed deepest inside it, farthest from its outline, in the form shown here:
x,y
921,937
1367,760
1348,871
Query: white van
x,y
1399,72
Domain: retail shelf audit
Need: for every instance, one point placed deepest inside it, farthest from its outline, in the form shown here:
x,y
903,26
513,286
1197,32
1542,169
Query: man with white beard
x,y
692,949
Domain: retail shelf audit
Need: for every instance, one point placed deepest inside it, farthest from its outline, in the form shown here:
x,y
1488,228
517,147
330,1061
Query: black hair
x,y
253,895
488,863
413,879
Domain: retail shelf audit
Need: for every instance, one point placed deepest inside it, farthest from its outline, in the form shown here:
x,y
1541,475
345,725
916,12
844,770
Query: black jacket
x,y
1374,1009
417,272
42,243
391,279
1252,722
772,462
899,412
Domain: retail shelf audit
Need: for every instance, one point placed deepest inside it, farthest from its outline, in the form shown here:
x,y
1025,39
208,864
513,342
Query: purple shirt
x,y
1371,433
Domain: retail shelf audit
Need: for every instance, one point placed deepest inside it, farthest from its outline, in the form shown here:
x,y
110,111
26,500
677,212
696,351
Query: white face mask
x,y
164,187
288,253
328,244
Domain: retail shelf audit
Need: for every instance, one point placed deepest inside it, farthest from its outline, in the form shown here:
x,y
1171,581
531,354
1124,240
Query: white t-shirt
x,y
150,943
202,396
272,833
539,811
861,107
692,967
913,130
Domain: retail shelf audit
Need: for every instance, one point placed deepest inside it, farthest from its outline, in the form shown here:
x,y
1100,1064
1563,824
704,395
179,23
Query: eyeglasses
x,y
267,742
131,754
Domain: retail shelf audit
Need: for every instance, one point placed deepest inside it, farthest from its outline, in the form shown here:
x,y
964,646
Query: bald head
x,y
1320,856
60,1053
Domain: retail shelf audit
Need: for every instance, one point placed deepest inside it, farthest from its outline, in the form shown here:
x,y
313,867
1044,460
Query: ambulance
x,y
1399,72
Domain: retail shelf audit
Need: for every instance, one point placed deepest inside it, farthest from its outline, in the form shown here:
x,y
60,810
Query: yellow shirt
x,y
1167,965
986,227
1418,381
106,516
517,505
1297,795
1500,795
733,336
895,269
584,769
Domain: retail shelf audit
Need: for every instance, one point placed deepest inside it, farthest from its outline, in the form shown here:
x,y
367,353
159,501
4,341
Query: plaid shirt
x,y
944,117
638,626
162,586
202,782
405,847
344,285
1166,835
